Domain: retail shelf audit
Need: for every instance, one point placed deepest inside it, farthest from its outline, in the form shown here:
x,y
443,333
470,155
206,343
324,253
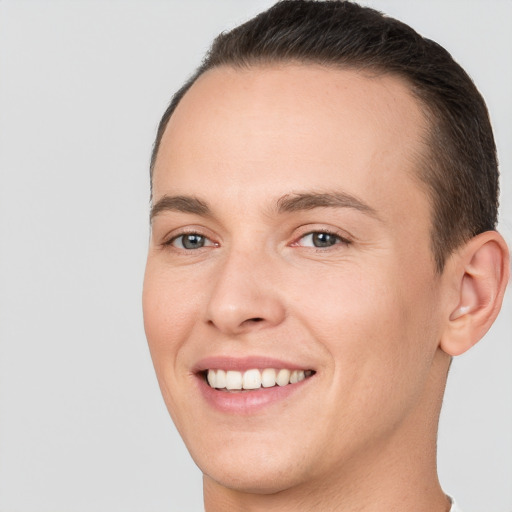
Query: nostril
x,y
255,320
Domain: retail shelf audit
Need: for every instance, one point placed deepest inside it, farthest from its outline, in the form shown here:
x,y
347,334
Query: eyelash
x,y
340,240
182,235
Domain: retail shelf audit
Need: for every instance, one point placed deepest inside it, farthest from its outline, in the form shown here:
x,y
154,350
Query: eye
x,y
190,241
321,239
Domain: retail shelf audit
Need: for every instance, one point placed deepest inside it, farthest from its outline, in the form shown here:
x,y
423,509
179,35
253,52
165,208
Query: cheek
x,y
169,312
169,309
376,327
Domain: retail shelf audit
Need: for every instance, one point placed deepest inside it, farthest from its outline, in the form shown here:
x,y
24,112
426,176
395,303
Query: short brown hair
x,y
460,171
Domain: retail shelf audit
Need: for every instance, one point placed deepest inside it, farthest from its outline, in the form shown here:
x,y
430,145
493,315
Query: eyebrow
x,y
183,204
285,204
309,201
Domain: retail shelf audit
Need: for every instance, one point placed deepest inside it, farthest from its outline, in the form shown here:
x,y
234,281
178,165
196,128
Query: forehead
x,y
291,124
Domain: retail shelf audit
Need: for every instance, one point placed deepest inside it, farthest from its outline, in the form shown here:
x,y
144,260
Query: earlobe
x,y
481,277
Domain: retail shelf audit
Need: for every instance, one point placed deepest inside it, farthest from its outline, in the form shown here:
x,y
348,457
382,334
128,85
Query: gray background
x,y
82,86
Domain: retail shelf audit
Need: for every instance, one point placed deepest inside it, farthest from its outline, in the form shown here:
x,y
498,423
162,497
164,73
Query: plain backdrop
x,y
82,86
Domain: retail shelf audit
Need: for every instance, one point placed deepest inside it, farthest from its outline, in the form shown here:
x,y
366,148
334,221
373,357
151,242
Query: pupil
x,y
193,241
323,239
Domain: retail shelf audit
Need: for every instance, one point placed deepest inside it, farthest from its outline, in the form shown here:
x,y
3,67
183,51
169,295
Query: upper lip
x,y
245,363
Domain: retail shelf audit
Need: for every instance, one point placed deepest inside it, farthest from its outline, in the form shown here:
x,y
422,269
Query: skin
x,y
369,314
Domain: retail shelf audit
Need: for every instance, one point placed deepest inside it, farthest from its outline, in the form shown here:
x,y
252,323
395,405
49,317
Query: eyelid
x,y
207,243
173,235
343,236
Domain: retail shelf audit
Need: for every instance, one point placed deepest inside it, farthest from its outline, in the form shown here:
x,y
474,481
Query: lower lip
x,y
248,402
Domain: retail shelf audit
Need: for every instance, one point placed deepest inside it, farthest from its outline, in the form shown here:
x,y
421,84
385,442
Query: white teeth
x,y
211,378
220,379
234,380
283,377
268,378
254,378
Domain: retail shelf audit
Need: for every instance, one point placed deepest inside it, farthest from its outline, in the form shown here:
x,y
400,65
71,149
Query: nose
x,y
245,295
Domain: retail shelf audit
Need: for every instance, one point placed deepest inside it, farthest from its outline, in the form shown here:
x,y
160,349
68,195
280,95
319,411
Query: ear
x,y
481,272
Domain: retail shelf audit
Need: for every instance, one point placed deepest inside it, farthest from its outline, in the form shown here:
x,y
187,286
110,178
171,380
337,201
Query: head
x,y
324,198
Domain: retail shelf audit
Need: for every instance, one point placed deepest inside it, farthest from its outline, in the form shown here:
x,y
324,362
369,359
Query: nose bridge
x,y
244,295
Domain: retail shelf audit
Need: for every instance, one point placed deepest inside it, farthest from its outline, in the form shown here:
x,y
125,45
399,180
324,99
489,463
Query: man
x,y
324,203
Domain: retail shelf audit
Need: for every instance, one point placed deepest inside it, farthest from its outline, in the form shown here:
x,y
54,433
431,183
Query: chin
x,y
257,468
254,480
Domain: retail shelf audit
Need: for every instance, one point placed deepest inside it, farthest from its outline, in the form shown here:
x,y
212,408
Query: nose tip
x,y
233,321
243,300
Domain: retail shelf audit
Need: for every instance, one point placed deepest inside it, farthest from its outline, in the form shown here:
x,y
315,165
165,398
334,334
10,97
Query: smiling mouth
x,y
250,380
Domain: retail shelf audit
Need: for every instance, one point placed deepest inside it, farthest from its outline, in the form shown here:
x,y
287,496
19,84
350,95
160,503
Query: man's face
x,y
290,233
